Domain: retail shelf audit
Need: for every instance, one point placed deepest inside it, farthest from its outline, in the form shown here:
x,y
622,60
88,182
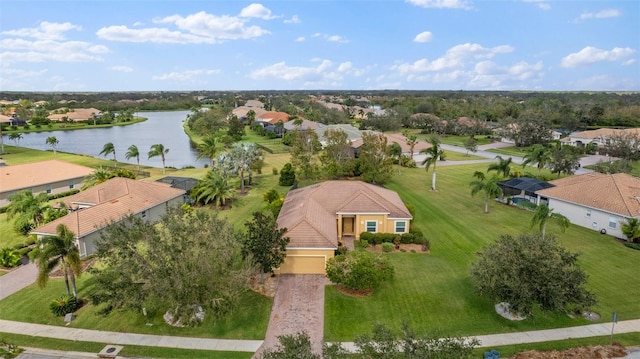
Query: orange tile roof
x,y
616,193
110,201
604,133
273,117
310,213
27,175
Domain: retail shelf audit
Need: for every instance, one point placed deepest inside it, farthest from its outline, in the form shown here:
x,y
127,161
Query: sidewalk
x,y
487,341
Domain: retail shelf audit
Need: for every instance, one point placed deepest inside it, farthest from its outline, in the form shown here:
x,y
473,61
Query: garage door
x,y
301,264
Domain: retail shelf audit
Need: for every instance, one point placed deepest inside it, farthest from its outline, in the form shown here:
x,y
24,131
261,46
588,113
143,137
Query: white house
x,y
601,202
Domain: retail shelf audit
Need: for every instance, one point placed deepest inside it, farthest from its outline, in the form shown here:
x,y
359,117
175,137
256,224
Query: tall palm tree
x,y
487,185
16,137
107,149
543,213
241,156
31,207
208,148
60,250
396,151
434,153
411,141
98,176
53,142
631,229
537,154
503,166
133,151
159,150
213,188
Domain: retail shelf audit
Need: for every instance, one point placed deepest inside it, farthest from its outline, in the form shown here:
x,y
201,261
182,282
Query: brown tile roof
x,y
310,213
110,201
27,175
402,141
604,133
273,117
616,193
242,111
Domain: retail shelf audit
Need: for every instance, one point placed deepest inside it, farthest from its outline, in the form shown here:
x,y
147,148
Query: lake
x,y
161,127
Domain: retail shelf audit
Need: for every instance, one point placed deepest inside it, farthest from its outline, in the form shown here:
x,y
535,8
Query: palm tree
x,y
59,250
488,186
159,150
98,176
502,167
16,137
241,156
631,229
108,149
133,151
213,187
411,141
434,153
537,154
396,151
53,142
542,215
30,207
208,148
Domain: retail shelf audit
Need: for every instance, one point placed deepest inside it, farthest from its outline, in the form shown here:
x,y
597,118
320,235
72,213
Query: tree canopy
x,y
264,242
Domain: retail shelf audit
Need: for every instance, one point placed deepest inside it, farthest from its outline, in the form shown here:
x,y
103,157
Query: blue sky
x,y
121,45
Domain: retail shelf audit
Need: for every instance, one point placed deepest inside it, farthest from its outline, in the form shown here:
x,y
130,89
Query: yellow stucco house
x,y
320,216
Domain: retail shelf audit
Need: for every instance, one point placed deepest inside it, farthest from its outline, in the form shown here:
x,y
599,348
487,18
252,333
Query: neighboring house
x,y
306,125
12,120
600,137
242,111
272,117
321,216
76,115
95,208
601,202
49,177
399,139
523,187
353,133
185,183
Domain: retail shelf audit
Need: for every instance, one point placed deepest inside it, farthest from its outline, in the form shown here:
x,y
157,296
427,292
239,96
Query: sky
x,y
120,45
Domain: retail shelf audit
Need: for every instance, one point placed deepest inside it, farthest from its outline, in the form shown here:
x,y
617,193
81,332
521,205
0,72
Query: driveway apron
x,y
17,279
297,306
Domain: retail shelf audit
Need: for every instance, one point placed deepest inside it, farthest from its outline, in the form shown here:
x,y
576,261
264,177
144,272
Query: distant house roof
x,y
615,193
310,213
27,175
602,133
402,141
242,111
273,117
527,184
110,201
254,103
305,125
78,114
353,133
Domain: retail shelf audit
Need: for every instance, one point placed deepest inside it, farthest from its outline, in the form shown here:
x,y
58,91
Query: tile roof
x,y
310,213
615,193
305,125
110,201
273,117
27,175
604,133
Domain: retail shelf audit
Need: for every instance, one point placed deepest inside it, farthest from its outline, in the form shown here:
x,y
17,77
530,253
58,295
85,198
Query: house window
x,y
612,222
588,213
48,189
143,214
401,227
71,184
372,226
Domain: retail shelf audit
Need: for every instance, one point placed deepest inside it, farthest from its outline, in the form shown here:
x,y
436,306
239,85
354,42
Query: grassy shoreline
x,y
70,126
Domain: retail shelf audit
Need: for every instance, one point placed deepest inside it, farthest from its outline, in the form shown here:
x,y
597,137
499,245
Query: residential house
x,y
320,217
601,202
76,115
51,177
12,120
600,137
400,140
306,125
95,208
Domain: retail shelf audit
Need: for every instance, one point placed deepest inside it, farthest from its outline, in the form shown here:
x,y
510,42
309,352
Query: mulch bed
x,y
354,292
85,265
407,247
590,352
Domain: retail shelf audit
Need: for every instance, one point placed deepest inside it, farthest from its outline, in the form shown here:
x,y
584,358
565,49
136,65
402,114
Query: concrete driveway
x,y
297,306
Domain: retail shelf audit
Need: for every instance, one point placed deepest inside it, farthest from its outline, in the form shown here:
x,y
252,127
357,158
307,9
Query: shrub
x,y
4,209
387,247
63,194
364,243
411,208
386,237
426,246
63,305
342,250
274,171
287,175
19,245
418,236
369,237
406,238
359,270
9,257
403,250
632,245
24,251
413,251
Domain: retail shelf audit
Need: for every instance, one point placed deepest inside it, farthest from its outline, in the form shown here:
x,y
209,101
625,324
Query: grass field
x,y
434,291
510,151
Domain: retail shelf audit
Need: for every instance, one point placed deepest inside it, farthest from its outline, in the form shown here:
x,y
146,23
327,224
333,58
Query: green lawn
x,y
8,236
458,140
457,156
510,151
69,126
434,291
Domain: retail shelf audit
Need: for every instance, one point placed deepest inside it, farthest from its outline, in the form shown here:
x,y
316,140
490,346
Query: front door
x,y
347,225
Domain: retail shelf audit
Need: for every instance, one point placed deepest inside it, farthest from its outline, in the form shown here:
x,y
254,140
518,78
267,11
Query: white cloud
x,y
121,68
45,31
294,20
196,28
20,50
19,73
425,36
300,39
456,57
442,4
282,71
188,75
138,23
257,11
590,55
603,14
331,38
542,4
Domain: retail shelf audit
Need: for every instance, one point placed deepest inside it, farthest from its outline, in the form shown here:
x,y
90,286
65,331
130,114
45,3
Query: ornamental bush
x,y
63,305
359,270
387,247
406,238
9,257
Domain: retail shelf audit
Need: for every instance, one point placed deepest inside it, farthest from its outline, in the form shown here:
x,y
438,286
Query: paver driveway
x,y
297,306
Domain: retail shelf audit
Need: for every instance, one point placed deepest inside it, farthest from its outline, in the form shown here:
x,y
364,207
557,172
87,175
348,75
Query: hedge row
x,y
414,236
